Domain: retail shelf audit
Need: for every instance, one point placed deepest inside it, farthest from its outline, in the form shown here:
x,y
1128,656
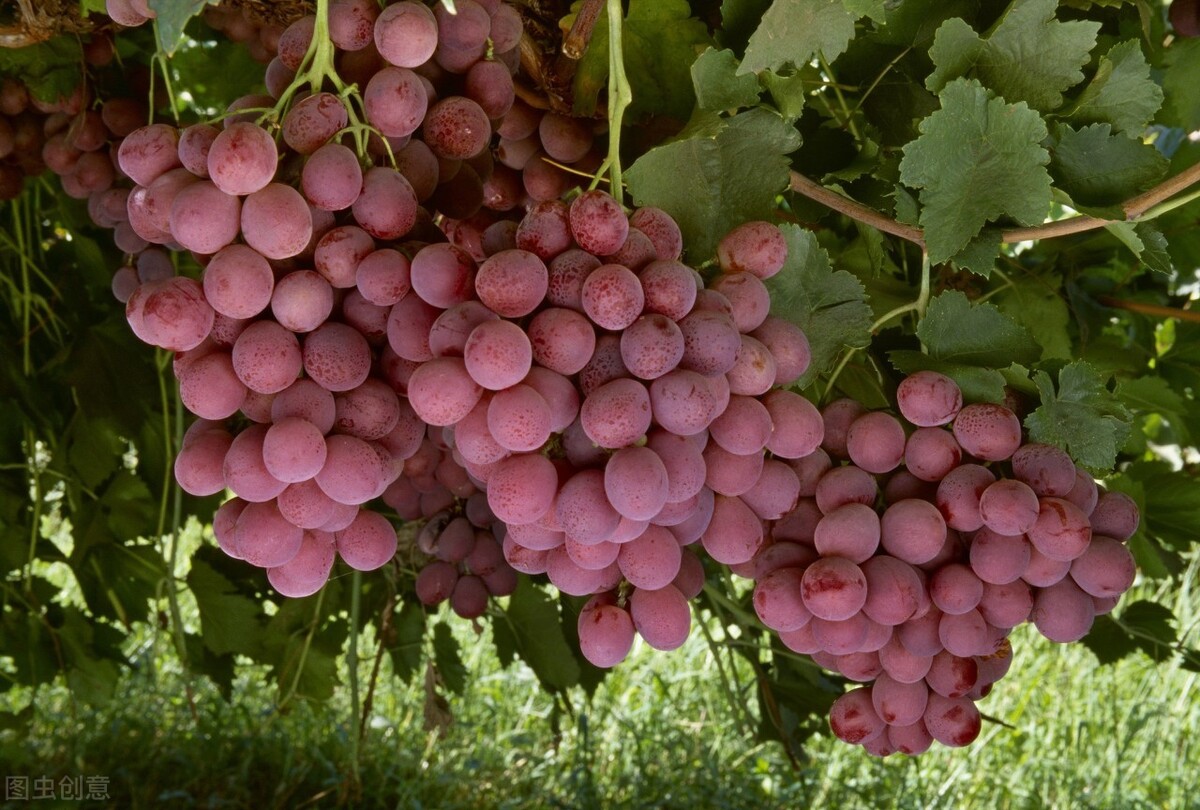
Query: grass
x,y
658,733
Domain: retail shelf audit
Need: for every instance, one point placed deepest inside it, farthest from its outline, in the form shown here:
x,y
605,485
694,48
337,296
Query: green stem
x,y
317,67
619,96
1171,205
849,121
352,665
312,631
926,284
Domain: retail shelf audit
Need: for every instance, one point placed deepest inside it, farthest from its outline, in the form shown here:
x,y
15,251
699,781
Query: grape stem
x,y
1153,310
1143,207
619,97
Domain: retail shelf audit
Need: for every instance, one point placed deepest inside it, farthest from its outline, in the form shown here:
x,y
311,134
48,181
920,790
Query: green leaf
x,y
718,86
536,630
978,384
661,40
51,69
739,19
408,651
449,663
1082,416
1154,395
173,17
978,159
1028,56
1036,303
957,331
1100,170
794,31
1146,241
1180,88
230,622
788,92
980,254
727,173
830,306
1121,93
94,450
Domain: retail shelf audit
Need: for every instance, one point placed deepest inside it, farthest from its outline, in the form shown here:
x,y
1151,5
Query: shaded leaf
x,y
173,17
536,631
794,31
448,660
1100,170
1121,93
957,331
718,85
1082,416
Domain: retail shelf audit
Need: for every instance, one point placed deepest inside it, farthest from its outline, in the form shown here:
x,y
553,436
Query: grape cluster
x,y
977,533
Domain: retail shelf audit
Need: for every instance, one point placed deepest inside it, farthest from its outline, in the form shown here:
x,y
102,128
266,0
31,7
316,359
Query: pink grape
x,y
652,560
997,558
617,413
651,346
352,470
560,394
612,297
368,543
308,571
749,297
339,252
203,218
210,388
545,230
302,301
987,431
929,399
953,722
519,419
171,313
307,400
593,556
198,466
853,719
661,228
396,102
303,504
522,488
682,461
406,34
435,582
293,450
875,442
851,531
512,283
238,282
843,485
369,411
682,402
834,588
897,703
958,496
1009,507
964,634
497,354
919,635
754,247
242,159
567,272
583,509
669,288
605,634
1105,569
788,346
264,538
384,277
490,85
1115,515
312,121
332,178
1045,468
337,356
1006,605
860,667
743,428
1043,571
839,415
267,357
955,589
777,600
1084,493
841,637
902,665
148,152
470,596
563,340
442,392
776,491
662,617
442,274
893,590
456,128
409,326
387,206
711,343
911,739
913,531
952,676
931,453
636,483
597,221
1061,531
734,533
276,221
730,474
449,333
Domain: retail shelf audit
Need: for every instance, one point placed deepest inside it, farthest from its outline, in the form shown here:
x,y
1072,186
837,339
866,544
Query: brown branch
x,y
577,39
1135,208
1153,310
855,210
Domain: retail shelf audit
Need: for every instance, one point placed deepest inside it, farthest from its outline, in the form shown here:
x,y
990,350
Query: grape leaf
x,y
980,254
407,652
956,331
660,40
793,31
537,636
1154,395
173,17
1146,241
830,306
1182,91
1028,55
1100,170
718,86
1169,502
51,69
229,621
1082,416
1036,303
717,176
1121,93
449,662
739,19
977,159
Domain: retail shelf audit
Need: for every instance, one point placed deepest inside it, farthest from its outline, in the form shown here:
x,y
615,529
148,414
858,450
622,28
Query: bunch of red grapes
x,y
916,589
416,308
